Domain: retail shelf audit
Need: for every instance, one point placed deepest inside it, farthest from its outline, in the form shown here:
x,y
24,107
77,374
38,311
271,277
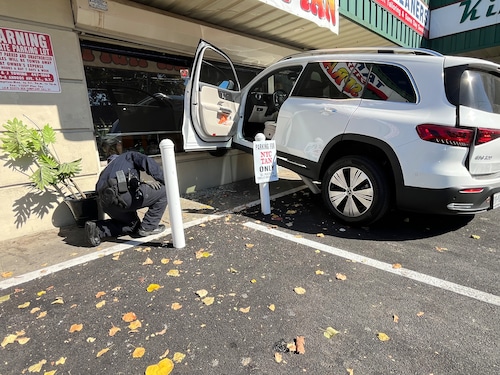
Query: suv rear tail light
x,y
452,136
447,135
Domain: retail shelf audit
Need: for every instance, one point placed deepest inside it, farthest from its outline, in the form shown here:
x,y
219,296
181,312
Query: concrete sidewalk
x,y
26,258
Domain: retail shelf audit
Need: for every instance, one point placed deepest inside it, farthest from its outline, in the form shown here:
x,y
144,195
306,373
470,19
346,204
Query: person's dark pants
x,y
126,221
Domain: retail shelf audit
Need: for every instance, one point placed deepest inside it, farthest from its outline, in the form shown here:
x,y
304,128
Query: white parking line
x,y
417,276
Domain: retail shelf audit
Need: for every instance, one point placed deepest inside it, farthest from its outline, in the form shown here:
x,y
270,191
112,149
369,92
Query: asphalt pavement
x,y
412,295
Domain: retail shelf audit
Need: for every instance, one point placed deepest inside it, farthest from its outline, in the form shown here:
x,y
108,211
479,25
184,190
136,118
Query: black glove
x,y
155,184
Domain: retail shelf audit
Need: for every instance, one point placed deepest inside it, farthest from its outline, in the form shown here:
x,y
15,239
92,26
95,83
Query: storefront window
x,y
138,100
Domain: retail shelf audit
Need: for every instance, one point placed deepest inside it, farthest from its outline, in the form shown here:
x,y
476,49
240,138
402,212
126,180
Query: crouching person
x,y
121,193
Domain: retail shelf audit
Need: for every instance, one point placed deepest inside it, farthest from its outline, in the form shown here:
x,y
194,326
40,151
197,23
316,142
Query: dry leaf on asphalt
x,y
245,310
176,306
475,236
101,352
202,293
100,304
383,337
129,317
76,328
7,274
153,287
173,273
134,325
178,357
395,318
148,261
114,330
208,300
272,307
23,305
37,367
278,357
397,265
330,332
340,276
299,290
421,313
100,294
164,367
300,344
138,352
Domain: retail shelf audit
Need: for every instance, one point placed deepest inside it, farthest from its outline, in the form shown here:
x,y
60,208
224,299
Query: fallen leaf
x,y
164,367
319,272
278,357
300,343
291,212
173,273
102,352
253,281
395,318
34,310
9,339
23,340
24,305
41,293
475,236
272,307
249,245
350,371
178,357
7,274
441,249
76,328
233,270
246,361
421,313
201,293
42,314
164,261
208,300
202,254
91,339
138,352
37,367
147,261
245,310
100,294
129,317
100,304
340,276
153,287
61,361
330,332
114,330
135,325
299,290
320,235
5,298
176,306
50,372
383,337
177,262
58,301
397,265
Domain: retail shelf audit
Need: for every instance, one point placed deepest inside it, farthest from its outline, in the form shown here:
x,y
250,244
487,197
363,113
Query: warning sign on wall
x,y
27,62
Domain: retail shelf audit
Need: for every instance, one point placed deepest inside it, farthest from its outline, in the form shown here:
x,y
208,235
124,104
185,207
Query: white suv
x,y
370,129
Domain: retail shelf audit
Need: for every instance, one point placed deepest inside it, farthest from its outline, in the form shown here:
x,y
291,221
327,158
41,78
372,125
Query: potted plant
x,y
29,151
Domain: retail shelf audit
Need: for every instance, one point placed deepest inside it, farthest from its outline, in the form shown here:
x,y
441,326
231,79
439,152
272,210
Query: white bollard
x,y
173,197
265,198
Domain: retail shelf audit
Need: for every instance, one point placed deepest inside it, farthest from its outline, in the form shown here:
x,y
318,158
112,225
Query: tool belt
x,y
117,187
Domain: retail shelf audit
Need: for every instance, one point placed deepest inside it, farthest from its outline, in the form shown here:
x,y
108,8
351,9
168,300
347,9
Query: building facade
x,y
97,68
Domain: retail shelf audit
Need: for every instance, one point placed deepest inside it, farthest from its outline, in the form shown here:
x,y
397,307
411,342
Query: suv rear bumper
x,y
446,201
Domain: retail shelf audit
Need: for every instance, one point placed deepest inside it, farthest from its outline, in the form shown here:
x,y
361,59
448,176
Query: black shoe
x,y
93,234
144,233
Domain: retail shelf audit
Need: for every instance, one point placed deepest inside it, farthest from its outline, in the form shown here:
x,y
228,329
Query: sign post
x,y
265,168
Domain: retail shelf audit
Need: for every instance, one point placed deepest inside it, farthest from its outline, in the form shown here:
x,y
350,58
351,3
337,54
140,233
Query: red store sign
x,y
414,13
27,62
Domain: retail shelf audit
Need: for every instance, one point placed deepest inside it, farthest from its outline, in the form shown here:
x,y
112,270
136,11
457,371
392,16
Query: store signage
x,y
264,161
27,62
324,13
414,13
464,16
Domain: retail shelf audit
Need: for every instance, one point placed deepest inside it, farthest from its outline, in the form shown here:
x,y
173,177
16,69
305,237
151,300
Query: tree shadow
x,y
33,203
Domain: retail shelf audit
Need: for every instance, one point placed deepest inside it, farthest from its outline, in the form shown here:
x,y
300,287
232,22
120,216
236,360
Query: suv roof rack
x,y
381,50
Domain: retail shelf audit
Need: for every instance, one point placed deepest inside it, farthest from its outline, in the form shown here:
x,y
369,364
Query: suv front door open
x,y
211,102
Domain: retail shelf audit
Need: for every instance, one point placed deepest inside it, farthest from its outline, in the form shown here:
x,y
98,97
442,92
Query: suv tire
x,y
355,190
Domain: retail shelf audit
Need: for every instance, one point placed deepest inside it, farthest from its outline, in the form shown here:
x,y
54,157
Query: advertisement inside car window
x,y
27,62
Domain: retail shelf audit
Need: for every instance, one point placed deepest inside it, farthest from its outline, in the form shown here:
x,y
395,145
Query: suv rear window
x,y
343,80
480,90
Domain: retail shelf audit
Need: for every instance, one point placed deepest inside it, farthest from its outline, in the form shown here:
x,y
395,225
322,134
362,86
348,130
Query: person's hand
x,y
155,184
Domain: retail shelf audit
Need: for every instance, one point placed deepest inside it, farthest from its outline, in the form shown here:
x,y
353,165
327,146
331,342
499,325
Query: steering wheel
x,y
279,96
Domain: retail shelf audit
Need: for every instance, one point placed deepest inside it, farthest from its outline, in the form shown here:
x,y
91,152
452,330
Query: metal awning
x,y
261,21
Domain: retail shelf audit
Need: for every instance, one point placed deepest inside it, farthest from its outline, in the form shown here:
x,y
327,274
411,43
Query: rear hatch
x,y
475,89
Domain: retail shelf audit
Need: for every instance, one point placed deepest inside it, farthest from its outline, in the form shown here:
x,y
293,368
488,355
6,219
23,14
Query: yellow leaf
x,y
253,281
319,272
50,372
395,318
138,352
43,314
396,265
153,287
61,361
22,340
340,276
350,371
441,249
147,261
100,304
330,332
58,301
278,357
135,324
201,293
7,274
249,245
34,310
41,293
383,337
173,273
178,357
475,236
129,317
114,330
24,305
177,262
9,339
421,313
76,327
233,270
91,339
102,352
164,367
37,367
299,290
202,254
272,307
208,300
291,212
165,261
245,310
4,298
100,294
320,235
176,306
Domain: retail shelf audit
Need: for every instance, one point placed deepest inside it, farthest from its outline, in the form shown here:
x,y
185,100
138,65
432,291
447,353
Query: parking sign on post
x,y
265,168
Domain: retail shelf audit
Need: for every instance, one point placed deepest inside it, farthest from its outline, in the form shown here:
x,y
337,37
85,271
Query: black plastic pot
x,y
84,209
